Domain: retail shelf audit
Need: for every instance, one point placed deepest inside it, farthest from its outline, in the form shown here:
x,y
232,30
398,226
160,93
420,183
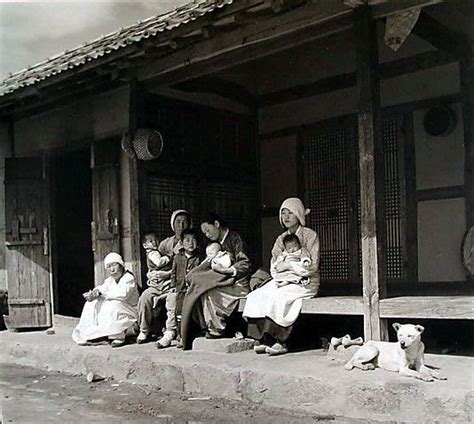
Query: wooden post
x,y
136,176
371,174
466,69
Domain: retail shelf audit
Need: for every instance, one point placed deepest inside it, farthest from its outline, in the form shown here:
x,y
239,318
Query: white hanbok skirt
x,y
104,318
281,304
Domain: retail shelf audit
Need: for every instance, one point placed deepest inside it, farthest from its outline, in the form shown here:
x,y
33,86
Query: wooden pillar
x,y
371,174
466,69
136,117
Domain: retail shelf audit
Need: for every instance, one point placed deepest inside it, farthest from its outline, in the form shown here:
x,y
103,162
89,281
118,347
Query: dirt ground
x,y
34,396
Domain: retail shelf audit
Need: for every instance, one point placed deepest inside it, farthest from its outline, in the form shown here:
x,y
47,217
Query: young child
x,y
294,255
183,262
157,286
155,261
217,256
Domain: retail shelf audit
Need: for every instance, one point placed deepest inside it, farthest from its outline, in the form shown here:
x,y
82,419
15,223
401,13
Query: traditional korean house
x,y
364,108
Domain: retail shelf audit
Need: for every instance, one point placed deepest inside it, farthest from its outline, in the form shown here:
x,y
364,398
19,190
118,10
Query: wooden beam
x,y
466,69
411,213
428,307
391,7
451,192
220,87
339,82
371,174
439,36
271,35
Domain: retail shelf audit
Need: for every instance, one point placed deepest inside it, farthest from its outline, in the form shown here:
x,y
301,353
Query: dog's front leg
x,y
407,372
428,371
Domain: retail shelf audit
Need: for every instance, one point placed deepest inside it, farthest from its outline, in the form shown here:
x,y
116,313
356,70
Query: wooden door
x,y
27,207
105,204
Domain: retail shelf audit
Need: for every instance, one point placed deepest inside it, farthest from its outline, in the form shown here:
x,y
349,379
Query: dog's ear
x,y
396,326
420,328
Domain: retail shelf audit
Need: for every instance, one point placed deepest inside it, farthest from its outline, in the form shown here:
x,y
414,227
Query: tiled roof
x,y
109,43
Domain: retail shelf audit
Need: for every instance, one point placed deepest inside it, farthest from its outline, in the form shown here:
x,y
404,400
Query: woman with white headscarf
x,y
151,297
111,308
271,310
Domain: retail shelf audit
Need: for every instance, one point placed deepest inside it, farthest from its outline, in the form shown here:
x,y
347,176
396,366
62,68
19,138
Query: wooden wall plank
x,y
428,307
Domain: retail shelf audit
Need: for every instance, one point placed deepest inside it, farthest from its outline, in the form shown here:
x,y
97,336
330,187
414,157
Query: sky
x,y
33,30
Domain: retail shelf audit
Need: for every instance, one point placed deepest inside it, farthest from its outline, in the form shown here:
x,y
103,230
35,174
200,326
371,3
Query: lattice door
x,y
332,193
234,202
329,192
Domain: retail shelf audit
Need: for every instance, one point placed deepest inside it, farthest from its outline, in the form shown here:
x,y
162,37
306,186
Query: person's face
x,y
181,222
212,250
115,270
211,231
292,246
189,243
150,244
288,218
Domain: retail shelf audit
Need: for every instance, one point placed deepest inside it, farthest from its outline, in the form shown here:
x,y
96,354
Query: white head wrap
x,y
113,258
180,212
295,205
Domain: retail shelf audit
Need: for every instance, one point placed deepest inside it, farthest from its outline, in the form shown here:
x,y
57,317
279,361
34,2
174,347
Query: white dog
x,y
405,356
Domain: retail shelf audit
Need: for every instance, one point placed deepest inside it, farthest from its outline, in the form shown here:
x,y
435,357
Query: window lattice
x,y
330,177
327,196
393,221
166,195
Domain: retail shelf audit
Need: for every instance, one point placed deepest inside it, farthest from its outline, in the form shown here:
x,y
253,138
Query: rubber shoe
x,y
214,336
142,338
117,343
260,348
166,340
276,349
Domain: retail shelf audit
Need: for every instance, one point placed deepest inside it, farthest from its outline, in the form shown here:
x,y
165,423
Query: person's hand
x,y
221,270
91,295
282,266
158,275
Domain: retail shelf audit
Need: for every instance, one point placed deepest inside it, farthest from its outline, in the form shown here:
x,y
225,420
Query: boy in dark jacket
x,y
187,259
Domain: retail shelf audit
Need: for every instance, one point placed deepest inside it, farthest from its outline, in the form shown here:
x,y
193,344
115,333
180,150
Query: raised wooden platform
x,y
426,307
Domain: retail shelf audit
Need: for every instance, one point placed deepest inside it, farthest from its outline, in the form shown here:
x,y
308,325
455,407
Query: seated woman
x,y
111,308
272,309
164,294
214,290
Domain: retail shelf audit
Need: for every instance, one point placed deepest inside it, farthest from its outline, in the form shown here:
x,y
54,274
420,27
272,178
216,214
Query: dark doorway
x,y
73,216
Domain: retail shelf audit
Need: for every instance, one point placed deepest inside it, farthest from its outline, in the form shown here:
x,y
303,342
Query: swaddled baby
x,y
294,255
217,256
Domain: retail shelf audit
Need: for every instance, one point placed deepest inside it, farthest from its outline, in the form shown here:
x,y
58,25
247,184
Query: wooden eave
x,y
242,32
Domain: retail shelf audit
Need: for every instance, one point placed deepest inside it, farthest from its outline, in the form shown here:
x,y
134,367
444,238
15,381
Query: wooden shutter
x,y
105,226
27,207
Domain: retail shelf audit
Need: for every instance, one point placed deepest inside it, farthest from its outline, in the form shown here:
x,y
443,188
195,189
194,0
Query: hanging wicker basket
x,y
147,143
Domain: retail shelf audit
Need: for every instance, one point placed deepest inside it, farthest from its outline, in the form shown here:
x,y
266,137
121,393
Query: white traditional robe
x,y
283,304
110,315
